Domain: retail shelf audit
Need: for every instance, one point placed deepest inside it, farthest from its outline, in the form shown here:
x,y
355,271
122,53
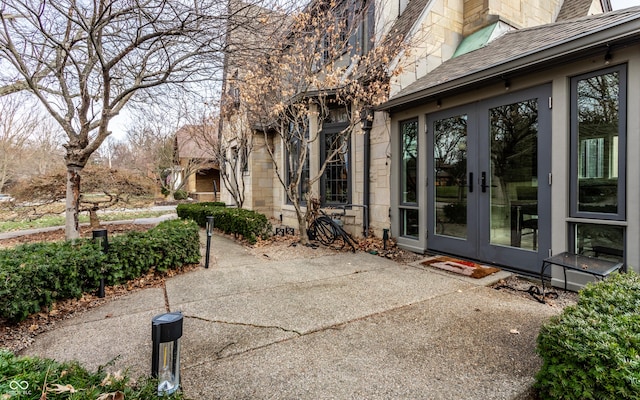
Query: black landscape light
x,y
385,238
209,229
100,237
166,330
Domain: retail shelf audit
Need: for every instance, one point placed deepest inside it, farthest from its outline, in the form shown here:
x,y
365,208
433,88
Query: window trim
x,y
403,206
574,150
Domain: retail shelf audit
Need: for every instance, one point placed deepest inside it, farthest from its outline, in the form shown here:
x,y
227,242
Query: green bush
x,y
25,378
180,195
592,350
235,221
33,276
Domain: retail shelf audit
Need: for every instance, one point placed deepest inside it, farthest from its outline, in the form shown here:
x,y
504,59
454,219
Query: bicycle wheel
x,y
323,230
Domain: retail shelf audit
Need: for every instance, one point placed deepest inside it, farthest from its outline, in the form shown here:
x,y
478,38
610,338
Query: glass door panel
x,y
450,176
513,135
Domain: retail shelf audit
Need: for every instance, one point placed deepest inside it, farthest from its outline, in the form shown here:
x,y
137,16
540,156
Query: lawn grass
x,y
58,220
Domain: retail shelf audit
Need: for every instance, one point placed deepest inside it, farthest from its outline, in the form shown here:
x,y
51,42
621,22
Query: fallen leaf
x,y
33,328
514,331
108,315
62,389
111,396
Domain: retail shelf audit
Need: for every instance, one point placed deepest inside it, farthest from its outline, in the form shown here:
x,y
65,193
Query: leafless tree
x,y
17,125
84,61
327,68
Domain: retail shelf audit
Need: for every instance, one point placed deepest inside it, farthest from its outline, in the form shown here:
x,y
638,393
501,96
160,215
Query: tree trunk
x,y
302,227
72,203
94,221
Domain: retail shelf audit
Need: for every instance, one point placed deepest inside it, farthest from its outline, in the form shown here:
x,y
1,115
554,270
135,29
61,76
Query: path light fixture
x,y
166,330
101,238
385,238
209,229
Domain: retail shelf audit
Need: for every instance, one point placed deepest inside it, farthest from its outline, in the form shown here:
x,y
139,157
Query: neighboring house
x,y
461,155
197,166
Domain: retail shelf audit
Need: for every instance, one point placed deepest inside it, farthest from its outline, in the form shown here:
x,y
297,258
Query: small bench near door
x,y
576,262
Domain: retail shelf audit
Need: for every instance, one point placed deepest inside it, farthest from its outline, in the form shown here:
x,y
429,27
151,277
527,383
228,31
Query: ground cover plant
x,y
592,350
27,378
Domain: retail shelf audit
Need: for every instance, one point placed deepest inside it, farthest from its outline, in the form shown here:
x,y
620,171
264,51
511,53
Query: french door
x,y
488,192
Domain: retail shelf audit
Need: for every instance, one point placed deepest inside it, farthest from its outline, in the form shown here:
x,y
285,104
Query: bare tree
x,y
84,61
17,125
327,69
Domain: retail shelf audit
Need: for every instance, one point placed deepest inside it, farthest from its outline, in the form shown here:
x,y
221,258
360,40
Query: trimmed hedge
x,y
235,221
592,350
33,276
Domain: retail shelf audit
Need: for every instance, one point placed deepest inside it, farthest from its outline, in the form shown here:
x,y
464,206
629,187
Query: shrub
x,y
33,276
592,350
180,195
32,373
236,221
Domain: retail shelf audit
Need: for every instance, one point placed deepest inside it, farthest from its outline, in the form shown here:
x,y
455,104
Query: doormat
x,y
466,268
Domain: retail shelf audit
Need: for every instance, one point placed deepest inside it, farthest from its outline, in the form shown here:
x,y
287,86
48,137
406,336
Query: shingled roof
x,y
408,18
523,50
579,8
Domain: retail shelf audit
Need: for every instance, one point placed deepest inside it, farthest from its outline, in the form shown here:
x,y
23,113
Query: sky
x,y
119,124
620,4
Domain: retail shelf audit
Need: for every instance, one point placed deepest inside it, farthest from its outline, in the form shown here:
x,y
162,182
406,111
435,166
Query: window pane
x,y
409,135
514,174
298,136
409,222
600,241
450,176
598,152
336,173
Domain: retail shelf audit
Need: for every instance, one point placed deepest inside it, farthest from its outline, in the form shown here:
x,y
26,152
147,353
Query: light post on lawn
x,y
209,229
100,237
166,331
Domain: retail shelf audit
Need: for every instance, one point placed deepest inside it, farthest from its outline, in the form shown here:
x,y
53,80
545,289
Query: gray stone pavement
x,y
344,326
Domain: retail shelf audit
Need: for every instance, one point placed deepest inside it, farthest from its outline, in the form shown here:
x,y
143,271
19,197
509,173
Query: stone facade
x,y
433,30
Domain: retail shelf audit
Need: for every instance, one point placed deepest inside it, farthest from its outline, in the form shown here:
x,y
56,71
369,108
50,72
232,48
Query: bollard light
x,y
209,229
166,330
100,236
209,226
385,238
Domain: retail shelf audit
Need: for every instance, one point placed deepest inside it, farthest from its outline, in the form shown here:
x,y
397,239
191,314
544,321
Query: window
x,y
409,213
295,148
602,241
598,143
336,152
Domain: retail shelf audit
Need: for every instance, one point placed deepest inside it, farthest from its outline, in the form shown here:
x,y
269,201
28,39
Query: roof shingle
x,y
518,44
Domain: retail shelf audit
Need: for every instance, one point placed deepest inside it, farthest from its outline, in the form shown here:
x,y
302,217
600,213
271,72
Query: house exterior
x,y
489,146
197,171
525,147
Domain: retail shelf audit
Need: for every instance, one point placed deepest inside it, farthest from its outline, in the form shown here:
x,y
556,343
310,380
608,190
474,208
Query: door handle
x,y
470,182
483,182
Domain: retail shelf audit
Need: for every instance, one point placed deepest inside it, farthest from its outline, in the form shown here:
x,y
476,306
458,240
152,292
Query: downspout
x,y
366,117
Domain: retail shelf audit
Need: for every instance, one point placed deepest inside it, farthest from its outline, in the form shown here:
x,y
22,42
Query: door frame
x,y
477,245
